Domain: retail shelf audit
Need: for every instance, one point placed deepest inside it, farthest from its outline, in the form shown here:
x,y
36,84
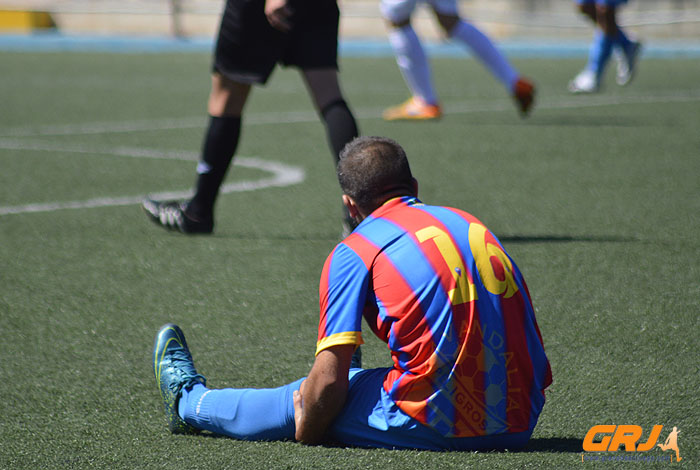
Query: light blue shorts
x,y
371,419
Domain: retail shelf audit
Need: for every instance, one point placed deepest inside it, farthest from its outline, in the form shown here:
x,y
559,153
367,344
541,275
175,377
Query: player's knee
x,y
605,17
447,22
394,24
587,10
227,97
221,104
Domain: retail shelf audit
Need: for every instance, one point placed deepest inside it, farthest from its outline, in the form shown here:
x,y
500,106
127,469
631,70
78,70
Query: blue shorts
x,y
371,419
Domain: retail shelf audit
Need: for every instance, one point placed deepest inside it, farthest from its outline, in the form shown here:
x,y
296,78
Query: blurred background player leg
x,y
225,107
226,103
315,53
458,29
413,64
247,50
608,37
341,128
415,68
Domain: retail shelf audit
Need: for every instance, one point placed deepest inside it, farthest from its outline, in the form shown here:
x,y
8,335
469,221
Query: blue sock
x,y
246,414
599,53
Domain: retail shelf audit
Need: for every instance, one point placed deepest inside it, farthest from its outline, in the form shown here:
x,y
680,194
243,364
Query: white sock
x,y
413,62
485,51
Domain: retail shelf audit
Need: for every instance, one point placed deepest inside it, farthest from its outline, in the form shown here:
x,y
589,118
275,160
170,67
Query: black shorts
x,y
248,48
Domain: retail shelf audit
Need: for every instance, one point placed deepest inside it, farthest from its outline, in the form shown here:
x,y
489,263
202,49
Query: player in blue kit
x,y
468,370
609,37
413,62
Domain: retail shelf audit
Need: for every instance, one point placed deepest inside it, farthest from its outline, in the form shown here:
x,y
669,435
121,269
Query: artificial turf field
x,y
597,198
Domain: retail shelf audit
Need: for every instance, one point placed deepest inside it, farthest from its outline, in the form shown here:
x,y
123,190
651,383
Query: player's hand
x,y
278,14
298,408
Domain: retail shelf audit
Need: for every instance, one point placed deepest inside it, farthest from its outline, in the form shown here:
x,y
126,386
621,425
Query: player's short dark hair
x,y
372,170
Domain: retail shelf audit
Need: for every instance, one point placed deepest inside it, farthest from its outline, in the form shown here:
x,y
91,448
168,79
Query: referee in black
x,y
253,37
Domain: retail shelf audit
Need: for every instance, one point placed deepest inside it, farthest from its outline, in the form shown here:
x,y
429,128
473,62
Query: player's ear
x,y
352,207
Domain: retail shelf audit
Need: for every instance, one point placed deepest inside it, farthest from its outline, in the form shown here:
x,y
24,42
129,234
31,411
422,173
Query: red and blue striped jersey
x,y
437,286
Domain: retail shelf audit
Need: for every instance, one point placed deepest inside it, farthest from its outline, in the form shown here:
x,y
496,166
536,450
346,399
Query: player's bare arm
x,y
278,14
322,395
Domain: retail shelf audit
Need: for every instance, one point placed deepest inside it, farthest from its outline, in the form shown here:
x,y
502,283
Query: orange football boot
x,y
413,109
524,94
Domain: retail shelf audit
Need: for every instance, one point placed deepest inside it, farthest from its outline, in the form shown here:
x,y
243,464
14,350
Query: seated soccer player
x,y
469,370
609,37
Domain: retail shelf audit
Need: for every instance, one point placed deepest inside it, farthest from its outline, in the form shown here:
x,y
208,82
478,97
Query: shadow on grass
x,y
554,444
549,444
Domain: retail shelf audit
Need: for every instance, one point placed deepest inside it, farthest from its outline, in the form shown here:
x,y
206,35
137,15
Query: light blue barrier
x,y
521,48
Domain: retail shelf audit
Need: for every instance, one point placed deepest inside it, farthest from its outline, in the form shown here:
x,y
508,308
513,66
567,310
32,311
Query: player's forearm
x,y
322,395
321,404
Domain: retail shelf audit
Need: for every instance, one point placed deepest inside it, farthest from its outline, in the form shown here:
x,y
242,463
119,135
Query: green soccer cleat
x,y
174,370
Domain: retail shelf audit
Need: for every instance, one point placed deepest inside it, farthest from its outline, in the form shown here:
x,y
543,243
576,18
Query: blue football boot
x,y
174,370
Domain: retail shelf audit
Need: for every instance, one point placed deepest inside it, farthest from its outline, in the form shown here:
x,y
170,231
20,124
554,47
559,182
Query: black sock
x,y
340,125
341,129
218,149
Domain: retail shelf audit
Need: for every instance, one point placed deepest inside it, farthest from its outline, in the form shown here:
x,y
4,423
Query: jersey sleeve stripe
x,y
346,337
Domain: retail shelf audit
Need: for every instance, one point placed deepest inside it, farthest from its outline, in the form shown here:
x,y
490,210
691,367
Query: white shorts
x,y
400,10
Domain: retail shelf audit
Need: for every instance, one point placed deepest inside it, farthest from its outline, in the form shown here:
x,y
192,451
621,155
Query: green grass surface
x,y
596,197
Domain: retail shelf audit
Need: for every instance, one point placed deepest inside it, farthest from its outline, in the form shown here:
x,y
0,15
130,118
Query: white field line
x,y
105,127
148,125
46,146
282,175
275,118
